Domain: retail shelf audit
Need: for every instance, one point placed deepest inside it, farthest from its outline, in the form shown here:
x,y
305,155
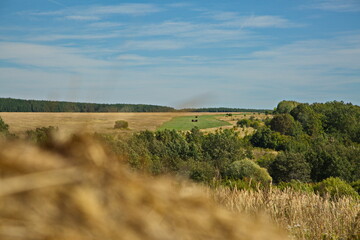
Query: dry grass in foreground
x,y
306,216
73,189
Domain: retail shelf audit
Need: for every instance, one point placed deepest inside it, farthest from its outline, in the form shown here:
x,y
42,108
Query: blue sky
x,y
181,53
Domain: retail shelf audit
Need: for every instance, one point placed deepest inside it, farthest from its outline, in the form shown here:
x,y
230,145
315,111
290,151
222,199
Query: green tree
x,y
289,166
309,119
222,147
286,106
285,124
265,138
331,159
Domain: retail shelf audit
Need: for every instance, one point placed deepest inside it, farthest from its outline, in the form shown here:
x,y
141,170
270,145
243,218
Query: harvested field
x,y
89,122
93,122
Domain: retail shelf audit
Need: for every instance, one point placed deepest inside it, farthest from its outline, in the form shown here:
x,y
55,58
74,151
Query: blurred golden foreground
x,y
74,189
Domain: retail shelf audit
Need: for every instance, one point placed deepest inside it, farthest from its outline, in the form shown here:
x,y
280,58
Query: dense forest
x,y
20,105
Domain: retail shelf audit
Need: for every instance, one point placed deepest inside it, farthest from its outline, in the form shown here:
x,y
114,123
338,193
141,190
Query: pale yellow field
x,y
89,122
20,122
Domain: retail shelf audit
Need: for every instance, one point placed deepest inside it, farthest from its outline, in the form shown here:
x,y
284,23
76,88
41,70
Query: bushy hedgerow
x,y
335,188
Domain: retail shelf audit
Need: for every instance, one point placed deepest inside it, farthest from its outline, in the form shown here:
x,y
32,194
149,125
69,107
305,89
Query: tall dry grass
x,y
305,215
72,189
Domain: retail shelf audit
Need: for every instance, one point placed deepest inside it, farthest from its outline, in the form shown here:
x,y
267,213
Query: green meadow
x,y
185,123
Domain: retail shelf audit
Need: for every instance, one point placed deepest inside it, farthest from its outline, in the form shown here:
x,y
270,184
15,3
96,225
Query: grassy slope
x,y
184,122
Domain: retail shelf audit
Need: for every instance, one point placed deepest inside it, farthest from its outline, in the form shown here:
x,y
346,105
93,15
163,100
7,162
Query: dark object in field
x,y
194,120
121,124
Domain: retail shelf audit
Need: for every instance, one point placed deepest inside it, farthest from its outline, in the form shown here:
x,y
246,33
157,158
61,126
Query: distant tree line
x,y
19,105
224,109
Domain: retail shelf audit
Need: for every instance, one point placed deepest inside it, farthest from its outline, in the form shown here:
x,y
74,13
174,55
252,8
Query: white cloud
x,y
233,19
153,45
131,57
82,18
265,21
56,37
336,5
105,24
57,3
133,9
47,56
125,9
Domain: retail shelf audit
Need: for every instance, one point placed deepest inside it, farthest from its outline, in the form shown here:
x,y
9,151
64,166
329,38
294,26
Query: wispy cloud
x,y
57,3
151,45
336,5
82,18
125,9
80,13
253,21
105,24
264,22
47,56
57,37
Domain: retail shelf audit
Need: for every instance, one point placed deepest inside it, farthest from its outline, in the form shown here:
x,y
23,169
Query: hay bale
x,y
74,189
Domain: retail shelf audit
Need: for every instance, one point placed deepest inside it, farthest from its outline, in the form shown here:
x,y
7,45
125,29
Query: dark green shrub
x,y
41,135
288,166
247,169
335,188
121,124
297,186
